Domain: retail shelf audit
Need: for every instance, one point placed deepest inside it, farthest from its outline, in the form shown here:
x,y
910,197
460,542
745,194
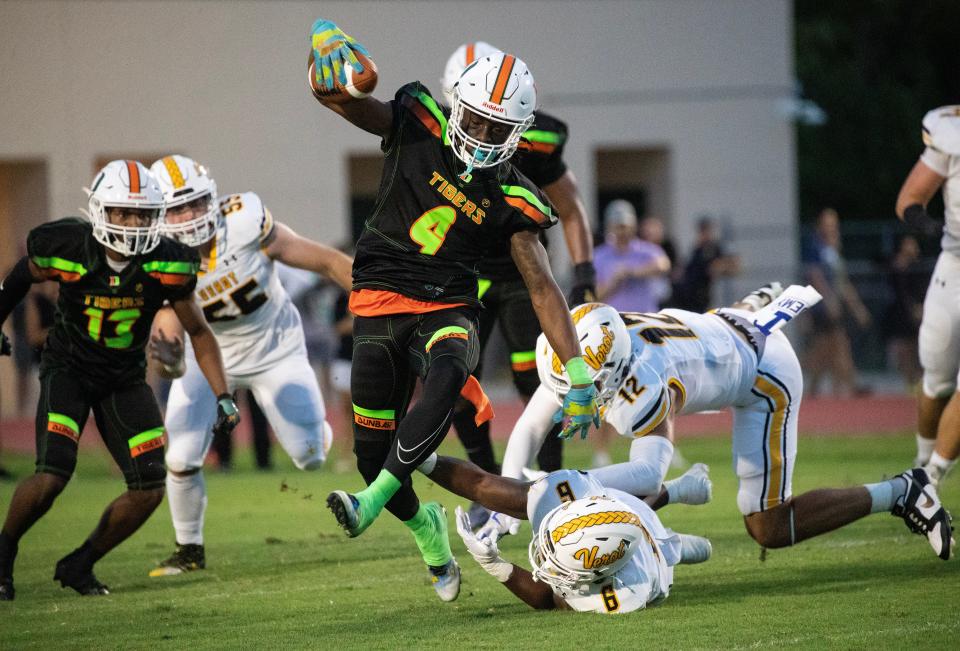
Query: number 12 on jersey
x,y
431,228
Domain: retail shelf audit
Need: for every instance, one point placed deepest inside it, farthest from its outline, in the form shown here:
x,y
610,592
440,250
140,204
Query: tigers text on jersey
x,y
941,135
429,228
539,157
247,308
701,356
104,316
644,580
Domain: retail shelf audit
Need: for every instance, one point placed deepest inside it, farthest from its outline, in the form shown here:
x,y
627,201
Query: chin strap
x,y
468,173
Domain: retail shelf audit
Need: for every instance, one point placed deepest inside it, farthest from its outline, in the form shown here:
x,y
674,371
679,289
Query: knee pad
x,y
147,473
446,371
937,384
59,457
183,455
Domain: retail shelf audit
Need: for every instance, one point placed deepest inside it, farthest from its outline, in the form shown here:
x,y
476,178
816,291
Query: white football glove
x,y
484,551
498,526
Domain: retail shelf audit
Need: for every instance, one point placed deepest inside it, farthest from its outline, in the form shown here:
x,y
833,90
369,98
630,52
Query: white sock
x,y
938,467
924,450
188,502
884,495
644,473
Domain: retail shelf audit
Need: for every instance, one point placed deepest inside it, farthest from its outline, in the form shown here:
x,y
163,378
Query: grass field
x,y
281,575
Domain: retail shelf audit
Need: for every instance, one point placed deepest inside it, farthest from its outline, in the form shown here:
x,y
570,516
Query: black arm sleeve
x,y
14,287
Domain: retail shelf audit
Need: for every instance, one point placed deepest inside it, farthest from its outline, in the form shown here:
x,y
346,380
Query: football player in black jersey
x,y
448,198
539,157
114,272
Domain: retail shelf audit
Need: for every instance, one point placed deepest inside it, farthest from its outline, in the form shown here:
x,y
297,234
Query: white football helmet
x,y
585,541
941,129
499,88
129,185
607,350
462,57
185,181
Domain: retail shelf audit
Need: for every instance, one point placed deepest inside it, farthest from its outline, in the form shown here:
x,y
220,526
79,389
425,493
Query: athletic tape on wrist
x,y
577,371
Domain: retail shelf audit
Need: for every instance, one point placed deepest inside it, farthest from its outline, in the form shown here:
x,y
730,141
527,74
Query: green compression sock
x,y
429,527
373,497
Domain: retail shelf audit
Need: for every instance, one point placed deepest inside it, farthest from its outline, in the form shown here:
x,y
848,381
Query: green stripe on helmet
x,y
550,137
383,414
66,421
171,267
60,264
143,437
523,193
444,332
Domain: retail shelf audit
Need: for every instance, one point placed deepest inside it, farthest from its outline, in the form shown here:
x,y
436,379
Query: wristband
x,y
429,464
584,274
577,371
498,569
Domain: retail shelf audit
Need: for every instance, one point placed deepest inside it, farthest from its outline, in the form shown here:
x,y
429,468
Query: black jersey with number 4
x,y
540,158
104,316
430,229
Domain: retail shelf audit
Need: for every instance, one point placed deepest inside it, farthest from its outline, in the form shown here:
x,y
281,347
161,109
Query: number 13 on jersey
x,y
431,228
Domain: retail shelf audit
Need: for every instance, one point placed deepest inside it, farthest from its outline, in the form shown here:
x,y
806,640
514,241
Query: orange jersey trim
x,y
473,393
537,147
527,209
57,428
170,279
380,302
424,115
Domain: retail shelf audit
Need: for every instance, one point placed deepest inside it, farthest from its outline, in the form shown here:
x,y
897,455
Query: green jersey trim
x,y
171,267
384,414
549,137
60,264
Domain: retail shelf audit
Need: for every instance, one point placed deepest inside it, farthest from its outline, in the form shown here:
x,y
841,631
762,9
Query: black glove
x,y
5,348
584,288
916,217
228,416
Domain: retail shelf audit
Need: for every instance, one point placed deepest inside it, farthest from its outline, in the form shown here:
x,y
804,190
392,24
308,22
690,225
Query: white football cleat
x,y
921,509
692,487
446,580
694,549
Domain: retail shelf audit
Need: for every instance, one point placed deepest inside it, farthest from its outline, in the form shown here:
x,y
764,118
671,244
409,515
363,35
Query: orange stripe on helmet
x,y
134,173
470,53
503,77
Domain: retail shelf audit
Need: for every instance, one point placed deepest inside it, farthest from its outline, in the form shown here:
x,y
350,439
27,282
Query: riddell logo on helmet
x,y
138,197
494,107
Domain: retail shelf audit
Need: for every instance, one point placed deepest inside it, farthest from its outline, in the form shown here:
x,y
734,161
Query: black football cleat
x,y
72,572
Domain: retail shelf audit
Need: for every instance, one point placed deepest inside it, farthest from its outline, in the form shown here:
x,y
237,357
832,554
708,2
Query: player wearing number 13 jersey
x,y
258,329
115,272
448,198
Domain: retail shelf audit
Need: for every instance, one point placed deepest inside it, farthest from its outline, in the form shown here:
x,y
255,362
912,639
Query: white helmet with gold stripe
x,y
497,88
585,541
193,208
606,347
462,57
121,189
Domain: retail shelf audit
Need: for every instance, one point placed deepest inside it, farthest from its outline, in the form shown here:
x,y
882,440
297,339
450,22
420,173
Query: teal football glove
x,y
579,410
228,416
332,50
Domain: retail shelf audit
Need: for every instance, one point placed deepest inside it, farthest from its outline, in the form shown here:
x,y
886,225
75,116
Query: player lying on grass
x,y
258,329
505,297
115,273
448,198
652,368
597,547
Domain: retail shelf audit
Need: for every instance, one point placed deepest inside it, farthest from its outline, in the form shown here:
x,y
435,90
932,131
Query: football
x,y
358,84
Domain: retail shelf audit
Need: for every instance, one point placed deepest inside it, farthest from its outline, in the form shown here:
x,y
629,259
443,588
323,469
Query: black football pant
x,y
389,353
509,302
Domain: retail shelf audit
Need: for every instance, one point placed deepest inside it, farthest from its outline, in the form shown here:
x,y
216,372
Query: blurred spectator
x,y
825,269
908,281
630,271
651,229
694,290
